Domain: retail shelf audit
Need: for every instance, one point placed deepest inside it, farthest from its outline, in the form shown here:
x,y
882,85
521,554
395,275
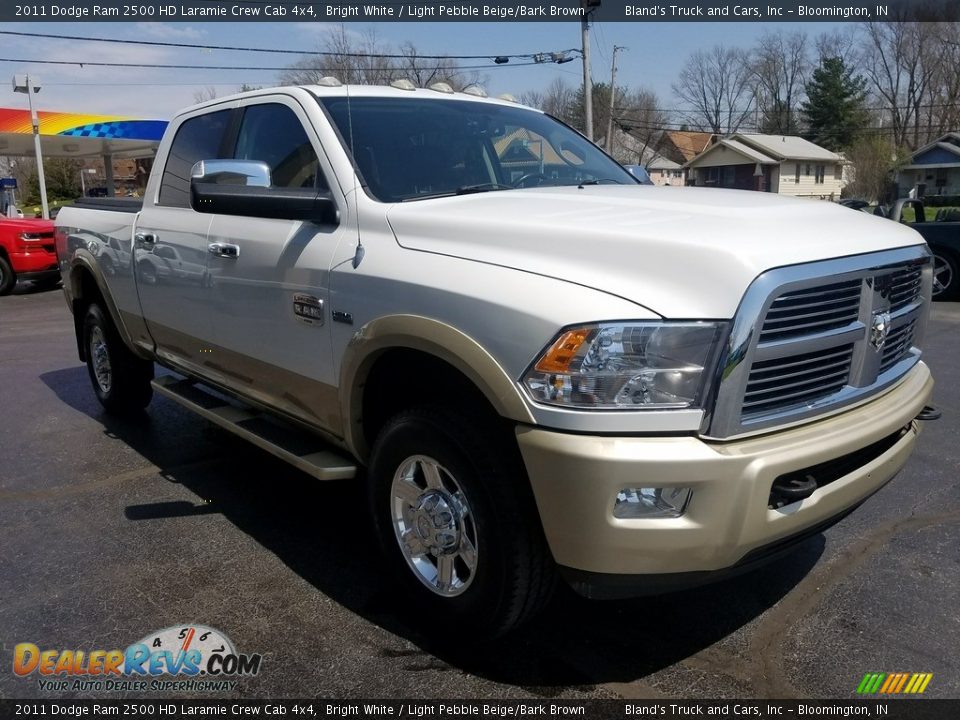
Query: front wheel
x,y
945,280
456,518
120,379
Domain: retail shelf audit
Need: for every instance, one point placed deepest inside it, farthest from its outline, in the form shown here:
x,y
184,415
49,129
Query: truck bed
x,y
124,204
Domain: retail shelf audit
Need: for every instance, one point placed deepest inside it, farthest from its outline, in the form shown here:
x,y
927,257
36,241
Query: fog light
x,y
651,502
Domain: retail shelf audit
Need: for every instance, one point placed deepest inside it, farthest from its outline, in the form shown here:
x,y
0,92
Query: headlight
x,y
625,366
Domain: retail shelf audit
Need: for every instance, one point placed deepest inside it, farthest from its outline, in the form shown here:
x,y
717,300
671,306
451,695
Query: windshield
x,y
416,148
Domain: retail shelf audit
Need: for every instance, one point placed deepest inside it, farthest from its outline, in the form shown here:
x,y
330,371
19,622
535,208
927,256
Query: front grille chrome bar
x,y
810,340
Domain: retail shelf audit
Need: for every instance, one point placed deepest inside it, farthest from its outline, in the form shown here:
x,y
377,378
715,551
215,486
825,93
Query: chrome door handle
x,y
145,239
224,250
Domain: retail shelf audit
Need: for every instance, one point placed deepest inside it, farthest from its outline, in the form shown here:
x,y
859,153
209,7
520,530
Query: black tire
x,y
513,573
125,388
946,281
8,278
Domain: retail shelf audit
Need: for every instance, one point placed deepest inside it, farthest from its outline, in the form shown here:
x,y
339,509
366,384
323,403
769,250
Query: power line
x,y
319,53
283,68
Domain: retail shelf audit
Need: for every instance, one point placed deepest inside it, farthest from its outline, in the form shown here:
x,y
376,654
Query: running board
x,y
300,448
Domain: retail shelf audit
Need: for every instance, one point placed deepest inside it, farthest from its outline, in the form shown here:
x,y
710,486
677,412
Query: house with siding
x,y
934,169
783,164
682,146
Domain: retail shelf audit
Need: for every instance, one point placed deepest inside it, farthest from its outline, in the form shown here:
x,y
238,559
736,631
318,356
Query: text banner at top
x,y
476,10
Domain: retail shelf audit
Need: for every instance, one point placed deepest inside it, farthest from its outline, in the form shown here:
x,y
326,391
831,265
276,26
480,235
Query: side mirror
x,y
243,187
232,172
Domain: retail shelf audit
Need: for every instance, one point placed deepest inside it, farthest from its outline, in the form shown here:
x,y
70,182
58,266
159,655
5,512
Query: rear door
x,y
170,246
269,288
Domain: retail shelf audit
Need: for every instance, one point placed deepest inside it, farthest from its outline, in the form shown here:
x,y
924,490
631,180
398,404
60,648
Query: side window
x,y
197,139
272,133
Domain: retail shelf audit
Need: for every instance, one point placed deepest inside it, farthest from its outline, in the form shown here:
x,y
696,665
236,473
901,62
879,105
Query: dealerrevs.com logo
x,y
184,657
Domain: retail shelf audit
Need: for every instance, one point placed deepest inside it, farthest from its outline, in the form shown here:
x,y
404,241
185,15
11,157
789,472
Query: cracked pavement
x,y
110,530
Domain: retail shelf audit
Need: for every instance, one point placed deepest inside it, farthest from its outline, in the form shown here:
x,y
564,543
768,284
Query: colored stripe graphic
x,y
894,683
81,125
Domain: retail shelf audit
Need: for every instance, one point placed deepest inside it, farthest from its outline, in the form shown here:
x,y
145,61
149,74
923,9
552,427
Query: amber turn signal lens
x,y
558,358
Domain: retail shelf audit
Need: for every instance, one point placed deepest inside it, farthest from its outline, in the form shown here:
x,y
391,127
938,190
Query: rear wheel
x,y
8,279
120,379
457,521
945,280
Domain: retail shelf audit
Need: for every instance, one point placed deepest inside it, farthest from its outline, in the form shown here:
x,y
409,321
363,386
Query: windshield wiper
x,y
597,181
482,187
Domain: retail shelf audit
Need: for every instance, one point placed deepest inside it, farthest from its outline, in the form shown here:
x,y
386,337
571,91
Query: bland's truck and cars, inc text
x,y
540,368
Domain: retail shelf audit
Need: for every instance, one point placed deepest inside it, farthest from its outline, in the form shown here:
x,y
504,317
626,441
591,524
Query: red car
x,y
27,252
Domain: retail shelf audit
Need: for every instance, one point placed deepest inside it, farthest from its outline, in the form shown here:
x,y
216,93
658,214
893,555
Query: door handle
x,y
143,239
224,250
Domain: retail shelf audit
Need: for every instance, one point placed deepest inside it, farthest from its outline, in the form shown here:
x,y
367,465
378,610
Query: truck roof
x,y
384,91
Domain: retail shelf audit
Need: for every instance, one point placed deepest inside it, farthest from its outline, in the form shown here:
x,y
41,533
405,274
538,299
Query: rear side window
x,y
197,139
272,133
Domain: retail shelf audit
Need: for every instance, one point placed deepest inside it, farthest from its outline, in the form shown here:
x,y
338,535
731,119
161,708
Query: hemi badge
x,y
342,317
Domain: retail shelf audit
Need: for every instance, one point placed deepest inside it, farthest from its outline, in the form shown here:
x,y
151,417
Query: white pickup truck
x,y
539,367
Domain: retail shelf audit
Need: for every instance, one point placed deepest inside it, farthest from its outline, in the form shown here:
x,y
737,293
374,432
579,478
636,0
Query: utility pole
x,y
587,82
613,95
588,7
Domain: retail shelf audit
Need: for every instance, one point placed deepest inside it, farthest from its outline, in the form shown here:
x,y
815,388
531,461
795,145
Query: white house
x,y
783,164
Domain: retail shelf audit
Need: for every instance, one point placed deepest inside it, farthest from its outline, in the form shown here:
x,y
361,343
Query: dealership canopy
x,y
78,135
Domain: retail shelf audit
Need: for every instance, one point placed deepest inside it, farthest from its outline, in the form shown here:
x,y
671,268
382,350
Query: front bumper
x,y
727,525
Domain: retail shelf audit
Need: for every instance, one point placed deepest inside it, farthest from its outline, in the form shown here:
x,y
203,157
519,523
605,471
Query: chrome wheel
x,y
100,357
942,275
434,525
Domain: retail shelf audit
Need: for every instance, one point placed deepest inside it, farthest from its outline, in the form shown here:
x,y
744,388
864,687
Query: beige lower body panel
x,y
576,479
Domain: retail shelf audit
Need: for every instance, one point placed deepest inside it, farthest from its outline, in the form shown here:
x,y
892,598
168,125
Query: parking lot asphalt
x,y
110,530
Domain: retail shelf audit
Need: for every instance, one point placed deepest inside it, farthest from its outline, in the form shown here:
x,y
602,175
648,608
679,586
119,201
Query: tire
x,y
946,281
120,379
8,278
475,561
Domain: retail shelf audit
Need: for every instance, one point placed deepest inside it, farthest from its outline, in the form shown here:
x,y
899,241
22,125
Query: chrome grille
x,y
809,339
796,379
905,287
897,346
812,310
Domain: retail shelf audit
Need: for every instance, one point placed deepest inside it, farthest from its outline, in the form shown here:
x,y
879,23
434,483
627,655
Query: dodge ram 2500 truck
x,y
541,368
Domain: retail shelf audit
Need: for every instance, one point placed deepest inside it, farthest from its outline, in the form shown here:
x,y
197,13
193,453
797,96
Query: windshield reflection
x,y
418,148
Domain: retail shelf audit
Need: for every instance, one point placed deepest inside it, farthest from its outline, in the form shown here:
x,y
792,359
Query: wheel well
x,y
401,378
85,292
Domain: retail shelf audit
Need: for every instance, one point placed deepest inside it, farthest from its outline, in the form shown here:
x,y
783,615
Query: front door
x,y
269,278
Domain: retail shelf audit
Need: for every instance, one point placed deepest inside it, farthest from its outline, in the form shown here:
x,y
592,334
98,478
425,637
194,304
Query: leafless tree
x,y
207,93
363,59
715,84
844,44
779,65
641,121
873,160
902,59
941,111
559,99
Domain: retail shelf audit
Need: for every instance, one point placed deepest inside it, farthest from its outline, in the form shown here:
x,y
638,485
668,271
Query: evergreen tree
x,y
835,108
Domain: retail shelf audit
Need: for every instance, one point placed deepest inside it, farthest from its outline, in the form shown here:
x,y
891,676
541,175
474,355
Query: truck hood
x,y
680,252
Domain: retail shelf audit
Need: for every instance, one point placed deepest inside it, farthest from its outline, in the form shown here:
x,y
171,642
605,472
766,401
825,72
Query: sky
x,y
654,56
